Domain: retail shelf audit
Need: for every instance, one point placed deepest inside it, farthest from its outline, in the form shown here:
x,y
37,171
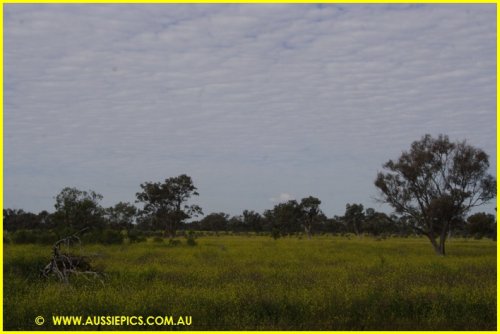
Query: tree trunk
x,y
356,230
170,230
308,231
439,247
435,245
442,238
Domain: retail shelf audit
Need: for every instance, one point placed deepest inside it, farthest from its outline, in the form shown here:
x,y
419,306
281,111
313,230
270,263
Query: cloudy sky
x,y
257,103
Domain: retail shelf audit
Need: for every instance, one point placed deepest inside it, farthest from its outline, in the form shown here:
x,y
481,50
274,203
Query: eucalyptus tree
x,y
435,184
166,203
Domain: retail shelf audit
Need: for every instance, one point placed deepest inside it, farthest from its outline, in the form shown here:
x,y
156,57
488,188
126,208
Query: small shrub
x,y
46,237
191,238
158,239
24,237
174,242
275,233
110,237
135,236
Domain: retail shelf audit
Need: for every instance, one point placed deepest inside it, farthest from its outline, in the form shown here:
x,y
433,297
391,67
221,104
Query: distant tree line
x,y
76,209
432,188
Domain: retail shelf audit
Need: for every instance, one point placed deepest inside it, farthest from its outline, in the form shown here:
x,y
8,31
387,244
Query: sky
x,y
257,103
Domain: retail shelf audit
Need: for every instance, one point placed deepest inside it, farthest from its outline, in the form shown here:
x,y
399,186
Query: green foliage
x,y
243,283
284,218
291,217
214,222
14,219
24,237
174,242
436,183
253,221
158,239
481,225
310,213
165,203
121,216
191,238
77,209
275,233
135,236
110,237
46,237
378,223
354,218
106,237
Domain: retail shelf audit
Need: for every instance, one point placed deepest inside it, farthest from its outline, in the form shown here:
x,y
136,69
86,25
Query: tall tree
x,y
354,218
284,218
166,203
436,183
310,212
16,219
77,209
215,222
377,223
480,225
253,221
121,215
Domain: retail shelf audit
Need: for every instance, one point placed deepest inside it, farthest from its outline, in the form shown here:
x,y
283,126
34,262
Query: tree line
x,y
432,188
285,219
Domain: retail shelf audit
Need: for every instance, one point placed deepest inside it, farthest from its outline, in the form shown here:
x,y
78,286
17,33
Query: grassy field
x,y
257,283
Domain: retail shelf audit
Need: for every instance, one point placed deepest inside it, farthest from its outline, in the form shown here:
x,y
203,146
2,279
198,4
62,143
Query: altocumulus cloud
x,y
247,99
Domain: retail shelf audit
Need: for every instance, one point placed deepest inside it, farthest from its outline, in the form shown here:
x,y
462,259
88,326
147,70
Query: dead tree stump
x,y
62,265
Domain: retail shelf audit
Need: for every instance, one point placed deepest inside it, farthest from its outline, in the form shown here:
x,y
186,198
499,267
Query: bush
x,y
191,242
275,233
107,237
174,242
158,239
135,236
24,237
46,237
110,237
191,236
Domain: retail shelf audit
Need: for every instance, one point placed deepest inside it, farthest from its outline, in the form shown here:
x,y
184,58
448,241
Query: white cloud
x,y
282,198
248,99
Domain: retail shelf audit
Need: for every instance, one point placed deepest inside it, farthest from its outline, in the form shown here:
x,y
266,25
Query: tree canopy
x,y
166,203
76,209
310,213
354,217
435,184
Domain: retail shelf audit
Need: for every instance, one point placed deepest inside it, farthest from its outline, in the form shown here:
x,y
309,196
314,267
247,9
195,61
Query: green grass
x,y
257,283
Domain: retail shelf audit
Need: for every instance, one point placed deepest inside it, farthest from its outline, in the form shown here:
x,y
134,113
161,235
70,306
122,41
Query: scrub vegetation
x,y
257,283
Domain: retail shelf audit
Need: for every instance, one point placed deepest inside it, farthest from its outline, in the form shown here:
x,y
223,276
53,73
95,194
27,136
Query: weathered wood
x,y
62,265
